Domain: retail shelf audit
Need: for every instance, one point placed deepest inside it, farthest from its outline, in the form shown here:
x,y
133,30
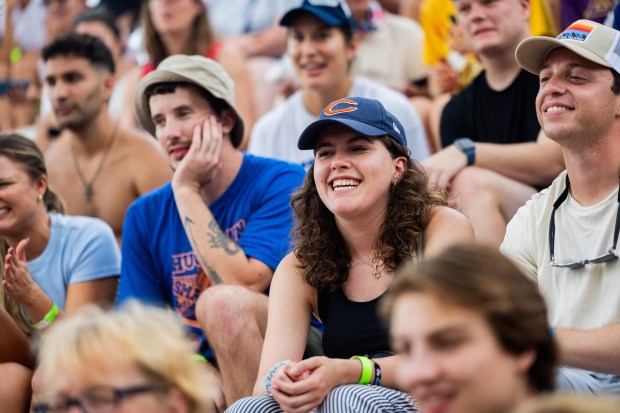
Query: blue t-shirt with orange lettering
x,y
158,265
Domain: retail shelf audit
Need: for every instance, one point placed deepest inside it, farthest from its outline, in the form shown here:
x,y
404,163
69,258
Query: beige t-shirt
x,y
392,54
577,298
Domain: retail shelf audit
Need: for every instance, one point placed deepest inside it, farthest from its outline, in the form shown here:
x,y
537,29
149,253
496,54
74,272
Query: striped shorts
x,y
352,398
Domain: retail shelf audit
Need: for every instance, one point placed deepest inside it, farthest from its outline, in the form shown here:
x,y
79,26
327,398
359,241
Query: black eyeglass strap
x,y
563,196
617,229
556,205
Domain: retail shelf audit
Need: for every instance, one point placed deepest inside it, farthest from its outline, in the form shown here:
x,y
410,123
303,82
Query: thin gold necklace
x,y
88,185
374,264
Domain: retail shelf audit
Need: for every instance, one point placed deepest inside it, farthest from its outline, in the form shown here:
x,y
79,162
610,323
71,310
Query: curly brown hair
x,y
323,256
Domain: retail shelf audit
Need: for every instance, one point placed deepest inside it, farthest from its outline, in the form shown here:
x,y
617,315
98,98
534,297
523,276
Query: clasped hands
x,y
300,386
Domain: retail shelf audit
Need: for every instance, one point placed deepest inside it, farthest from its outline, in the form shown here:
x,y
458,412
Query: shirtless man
x,y
98,168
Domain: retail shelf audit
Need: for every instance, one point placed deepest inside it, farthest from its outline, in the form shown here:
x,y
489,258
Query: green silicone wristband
x,y
48,319
200,357
366,369
15,55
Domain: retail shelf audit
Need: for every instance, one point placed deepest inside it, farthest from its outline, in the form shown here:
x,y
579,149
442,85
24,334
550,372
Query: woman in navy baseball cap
x,y
364,209
321,46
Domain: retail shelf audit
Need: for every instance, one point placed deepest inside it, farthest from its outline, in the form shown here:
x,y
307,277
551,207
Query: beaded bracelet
x,y
366,369
272,371
377,373
47,319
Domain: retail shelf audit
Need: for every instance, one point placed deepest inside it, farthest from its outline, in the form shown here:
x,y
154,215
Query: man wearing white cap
x,y
566,236
219,229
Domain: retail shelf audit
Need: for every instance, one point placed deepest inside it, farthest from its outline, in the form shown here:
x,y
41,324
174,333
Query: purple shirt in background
x,y
595,10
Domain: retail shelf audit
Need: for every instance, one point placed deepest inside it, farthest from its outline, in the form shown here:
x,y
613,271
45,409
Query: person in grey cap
x,y
219,228
364,209
566,237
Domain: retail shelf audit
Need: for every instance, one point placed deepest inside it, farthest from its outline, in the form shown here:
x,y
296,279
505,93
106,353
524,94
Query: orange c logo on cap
x,y
331,111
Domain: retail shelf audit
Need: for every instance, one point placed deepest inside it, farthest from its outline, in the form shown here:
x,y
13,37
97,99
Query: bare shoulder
x,y
289,275
58,148
136,137
288,269
445,214
446,227
289,286
144,148
58,161
143,159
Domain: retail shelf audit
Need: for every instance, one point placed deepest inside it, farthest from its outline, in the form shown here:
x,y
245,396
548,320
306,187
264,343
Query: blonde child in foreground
x,y
133,360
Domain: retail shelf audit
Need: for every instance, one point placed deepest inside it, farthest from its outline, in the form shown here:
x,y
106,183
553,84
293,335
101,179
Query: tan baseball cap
x,y
588,39
199,70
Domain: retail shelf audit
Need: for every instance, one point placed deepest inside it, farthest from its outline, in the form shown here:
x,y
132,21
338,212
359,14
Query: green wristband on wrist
x,y
201,358
48,319
367,369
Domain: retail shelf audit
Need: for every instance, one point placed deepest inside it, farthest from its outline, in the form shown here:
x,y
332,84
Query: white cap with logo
x,y
590,40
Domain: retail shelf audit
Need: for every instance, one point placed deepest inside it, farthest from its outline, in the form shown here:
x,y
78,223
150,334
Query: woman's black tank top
x,y
351,328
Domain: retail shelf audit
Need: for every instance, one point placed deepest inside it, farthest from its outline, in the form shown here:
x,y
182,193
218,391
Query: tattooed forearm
x,y
211,273
189,224
218,239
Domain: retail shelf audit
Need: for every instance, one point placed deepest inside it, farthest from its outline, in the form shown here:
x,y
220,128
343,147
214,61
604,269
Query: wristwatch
x,y
469,149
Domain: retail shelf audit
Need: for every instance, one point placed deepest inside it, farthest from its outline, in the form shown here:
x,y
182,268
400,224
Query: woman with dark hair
x,y
473,333
364,209
182,27
49,263
322,46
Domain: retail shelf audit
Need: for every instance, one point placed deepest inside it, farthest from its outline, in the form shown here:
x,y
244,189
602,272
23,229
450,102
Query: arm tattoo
x,y
218,239
189,224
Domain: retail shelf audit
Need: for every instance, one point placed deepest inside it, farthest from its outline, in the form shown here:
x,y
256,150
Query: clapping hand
x,y
18,282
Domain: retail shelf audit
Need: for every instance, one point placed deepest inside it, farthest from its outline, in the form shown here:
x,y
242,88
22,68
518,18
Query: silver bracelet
x,y
272,371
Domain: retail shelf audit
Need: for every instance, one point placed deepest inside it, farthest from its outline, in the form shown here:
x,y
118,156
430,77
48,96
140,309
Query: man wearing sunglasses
x,y
566,236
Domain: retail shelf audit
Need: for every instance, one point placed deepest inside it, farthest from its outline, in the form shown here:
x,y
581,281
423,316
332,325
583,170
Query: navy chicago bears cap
x,y
366,116
330,12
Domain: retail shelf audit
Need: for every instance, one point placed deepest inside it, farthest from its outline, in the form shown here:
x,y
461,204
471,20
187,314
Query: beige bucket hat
x,y
199,70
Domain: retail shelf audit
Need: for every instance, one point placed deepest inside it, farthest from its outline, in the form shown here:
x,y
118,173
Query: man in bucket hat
x,y
222,222
566,236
